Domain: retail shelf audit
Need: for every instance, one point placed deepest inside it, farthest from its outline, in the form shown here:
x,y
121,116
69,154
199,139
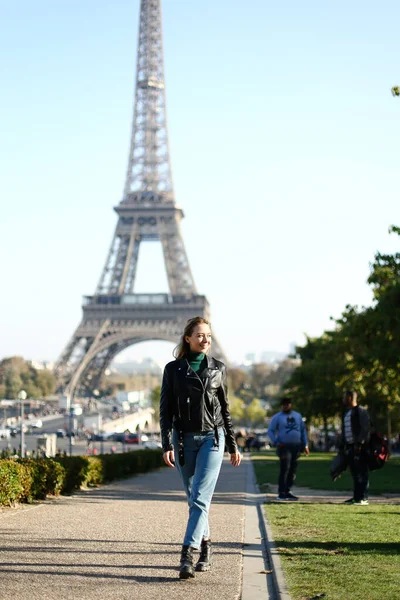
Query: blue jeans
x,y
288,457
199,474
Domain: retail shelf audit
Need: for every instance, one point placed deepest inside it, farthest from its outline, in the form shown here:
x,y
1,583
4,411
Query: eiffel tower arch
x,y
116,317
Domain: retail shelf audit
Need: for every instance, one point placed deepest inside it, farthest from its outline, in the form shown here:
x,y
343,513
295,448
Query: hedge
x,y
29,479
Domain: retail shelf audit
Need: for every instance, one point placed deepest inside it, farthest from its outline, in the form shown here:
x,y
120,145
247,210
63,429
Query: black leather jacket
x,y
194,402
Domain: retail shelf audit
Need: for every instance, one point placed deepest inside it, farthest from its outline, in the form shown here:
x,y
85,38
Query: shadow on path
x,y
290,548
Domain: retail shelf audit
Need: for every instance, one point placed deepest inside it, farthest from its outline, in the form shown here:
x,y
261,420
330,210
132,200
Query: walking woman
x,y
195,426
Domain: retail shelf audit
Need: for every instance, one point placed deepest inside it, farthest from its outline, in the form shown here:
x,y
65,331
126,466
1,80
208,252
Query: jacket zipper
x,y
188,406
204,393
179,410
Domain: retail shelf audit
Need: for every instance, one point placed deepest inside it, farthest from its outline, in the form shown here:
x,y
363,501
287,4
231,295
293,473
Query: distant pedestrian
x,y
356,430
250,442
288,433
240,438
195,424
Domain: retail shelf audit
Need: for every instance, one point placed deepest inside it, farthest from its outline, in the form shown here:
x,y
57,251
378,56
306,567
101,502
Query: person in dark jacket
x,y
356,429
196,424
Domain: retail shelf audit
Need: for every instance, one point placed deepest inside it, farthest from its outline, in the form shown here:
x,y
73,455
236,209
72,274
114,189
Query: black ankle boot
x,y
204,562
186,570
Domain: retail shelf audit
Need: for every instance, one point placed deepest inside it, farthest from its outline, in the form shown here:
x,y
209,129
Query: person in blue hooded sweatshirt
x,y
288,433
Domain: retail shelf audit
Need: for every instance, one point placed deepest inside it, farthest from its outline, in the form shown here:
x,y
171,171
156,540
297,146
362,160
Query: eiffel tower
x,y
115,317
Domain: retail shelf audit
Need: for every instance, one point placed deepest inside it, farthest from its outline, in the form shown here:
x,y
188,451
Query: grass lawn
x,y
341,552
313,472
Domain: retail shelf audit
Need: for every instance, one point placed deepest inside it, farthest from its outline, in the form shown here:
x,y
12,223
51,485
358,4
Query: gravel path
x,y
121,541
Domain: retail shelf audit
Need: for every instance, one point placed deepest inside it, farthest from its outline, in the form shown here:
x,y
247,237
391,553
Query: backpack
x,y
378,451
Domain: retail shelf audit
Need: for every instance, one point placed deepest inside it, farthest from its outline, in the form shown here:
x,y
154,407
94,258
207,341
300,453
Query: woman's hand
x,y
169,458
235,459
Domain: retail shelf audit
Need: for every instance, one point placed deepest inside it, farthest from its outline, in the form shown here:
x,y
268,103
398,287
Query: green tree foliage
x,y
155,402
373,336
279,375
363,353
237,408
17,374
254,414
247,388
385,270
259,374
237,380
316,385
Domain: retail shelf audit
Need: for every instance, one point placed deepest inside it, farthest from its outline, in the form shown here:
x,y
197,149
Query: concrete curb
x,y
281,590
257,582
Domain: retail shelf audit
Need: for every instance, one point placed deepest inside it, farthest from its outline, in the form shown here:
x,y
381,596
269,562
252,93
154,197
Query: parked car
x,y
13,431
102,437
18,429
5,433
152,444
60,433
132,438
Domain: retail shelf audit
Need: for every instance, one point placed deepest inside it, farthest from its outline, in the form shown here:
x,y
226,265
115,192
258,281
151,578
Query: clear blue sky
x,y
284,141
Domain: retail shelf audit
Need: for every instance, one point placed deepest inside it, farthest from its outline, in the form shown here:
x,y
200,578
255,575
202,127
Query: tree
x,y
372,337
237,408
362,352
17,374
254,414
259,378
155,402
385,271
317,383
45,382
237,378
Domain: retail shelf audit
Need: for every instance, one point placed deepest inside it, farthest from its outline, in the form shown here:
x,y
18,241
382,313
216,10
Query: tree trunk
x,y
326,434
389,426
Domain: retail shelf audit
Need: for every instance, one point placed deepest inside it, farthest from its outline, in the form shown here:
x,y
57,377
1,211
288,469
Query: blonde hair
x,y
183,347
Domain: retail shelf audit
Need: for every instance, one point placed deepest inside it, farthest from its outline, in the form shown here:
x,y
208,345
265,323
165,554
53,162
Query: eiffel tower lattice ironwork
x,y
116,317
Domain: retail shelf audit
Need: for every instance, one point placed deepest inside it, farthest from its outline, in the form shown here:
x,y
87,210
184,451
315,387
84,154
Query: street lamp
x,y
71,427
22,397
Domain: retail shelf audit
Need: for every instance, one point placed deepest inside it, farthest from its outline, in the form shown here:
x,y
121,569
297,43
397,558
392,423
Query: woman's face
x,y
200,340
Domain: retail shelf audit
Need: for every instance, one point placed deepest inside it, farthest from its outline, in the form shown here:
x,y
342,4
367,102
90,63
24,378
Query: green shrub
x,y
95,475
119,466
12,475
47,477
28,479
115,467
76,472
56,475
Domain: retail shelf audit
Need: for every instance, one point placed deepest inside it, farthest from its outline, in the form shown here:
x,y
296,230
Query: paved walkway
x,y
122,541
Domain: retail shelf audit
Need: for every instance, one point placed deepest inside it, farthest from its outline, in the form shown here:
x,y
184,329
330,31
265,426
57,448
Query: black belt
x,y
181,451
